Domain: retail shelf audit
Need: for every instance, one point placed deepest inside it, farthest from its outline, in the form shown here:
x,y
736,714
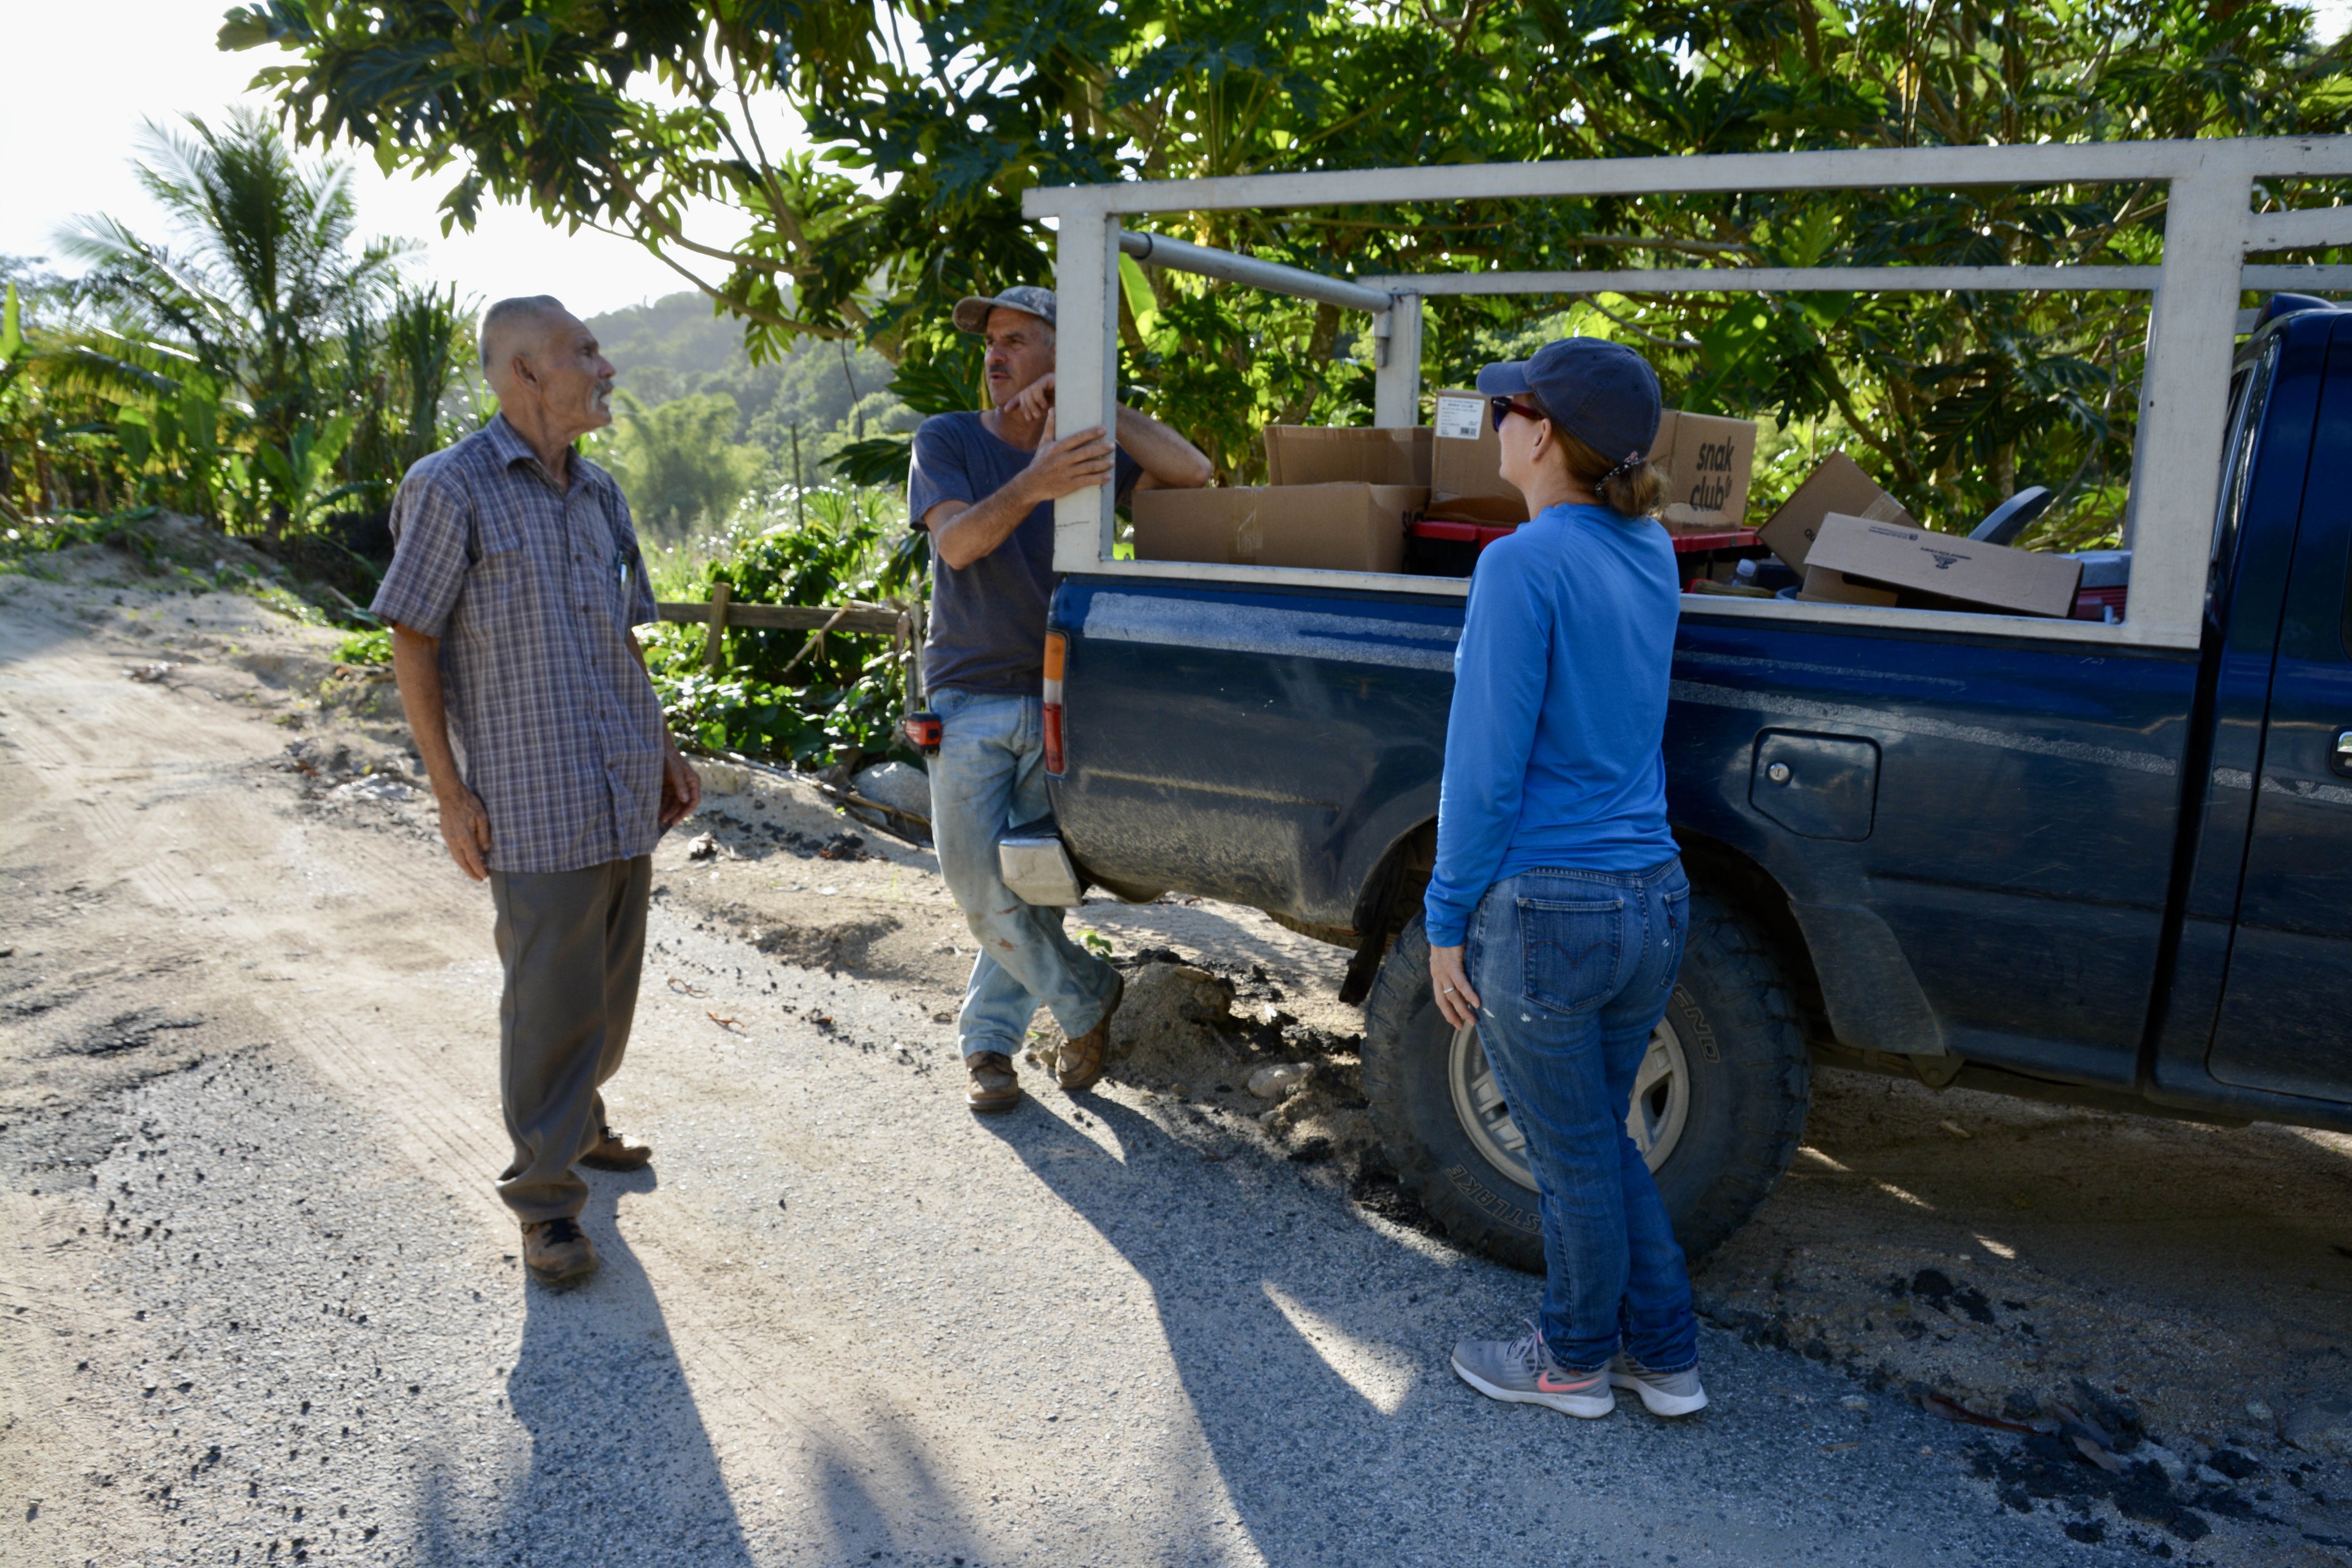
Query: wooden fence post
x,y
714,648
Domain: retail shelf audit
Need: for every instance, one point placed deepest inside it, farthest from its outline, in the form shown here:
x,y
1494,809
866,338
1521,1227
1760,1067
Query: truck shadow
x,y
618,1451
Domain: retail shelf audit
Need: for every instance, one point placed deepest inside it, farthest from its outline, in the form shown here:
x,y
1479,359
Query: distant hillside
x,y
678,333
675,347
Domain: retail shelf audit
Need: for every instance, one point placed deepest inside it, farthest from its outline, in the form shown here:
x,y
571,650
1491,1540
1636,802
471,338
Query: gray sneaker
x,y
1522,1372
1662,1392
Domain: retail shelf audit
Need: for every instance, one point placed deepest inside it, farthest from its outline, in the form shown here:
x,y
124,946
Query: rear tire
x,y
1725,1096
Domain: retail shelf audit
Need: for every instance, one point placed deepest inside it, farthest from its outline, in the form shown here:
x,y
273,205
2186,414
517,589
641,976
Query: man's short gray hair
x,y
501,319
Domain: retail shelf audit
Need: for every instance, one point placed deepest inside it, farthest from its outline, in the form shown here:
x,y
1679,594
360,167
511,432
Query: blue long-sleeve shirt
x,y
1552,751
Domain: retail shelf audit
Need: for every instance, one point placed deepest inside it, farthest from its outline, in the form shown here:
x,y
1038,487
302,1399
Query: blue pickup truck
x,y
1988,852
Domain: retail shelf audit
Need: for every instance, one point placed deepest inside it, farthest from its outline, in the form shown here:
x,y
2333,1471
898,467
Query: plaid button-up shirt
x,y
532,591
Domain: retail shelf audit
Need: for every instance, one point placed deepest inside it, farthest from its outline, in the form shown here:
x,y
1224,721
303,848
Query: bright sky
x,y
81,81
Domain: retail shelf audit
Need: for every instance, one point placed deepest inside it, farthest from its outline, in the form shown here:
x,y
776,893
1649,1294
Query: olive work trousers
x,y
572,943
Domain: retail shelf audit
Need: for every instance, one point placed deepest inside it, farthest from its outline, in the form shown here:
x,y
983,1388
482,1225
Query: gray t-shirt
x,y
988,619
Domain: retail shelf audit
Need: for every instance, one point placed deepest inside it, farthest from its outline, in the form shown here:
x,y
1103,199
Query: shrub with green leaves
x,y
789,695
364,648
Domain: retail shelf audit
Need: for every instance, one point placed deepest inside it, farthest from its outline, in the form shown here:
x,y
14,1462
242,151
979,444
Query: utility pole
x,y
799,502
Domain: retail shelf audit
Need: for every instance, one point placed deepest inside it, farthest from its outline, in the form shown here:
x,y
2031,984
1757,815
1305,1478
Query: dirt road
x,y
257,1303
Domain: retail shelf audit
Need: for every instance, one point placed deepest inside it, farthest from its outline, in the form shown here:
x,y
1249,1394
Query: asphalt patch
x,y
128,1032
2042,1468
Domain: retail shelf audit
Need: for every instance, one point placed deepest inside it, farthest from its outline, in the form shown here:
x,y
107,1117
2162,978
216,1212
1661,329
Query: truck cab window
x,y
2249,396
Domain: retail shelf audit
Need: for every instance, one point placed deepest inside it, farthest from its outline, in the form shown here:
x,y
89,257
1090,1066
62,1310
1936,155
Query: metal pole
x,y
1396,382
1224,265
1085,379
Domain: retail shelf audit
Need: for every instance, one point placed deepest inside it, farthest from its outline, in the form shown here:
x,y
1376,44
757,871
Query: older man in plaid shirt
x,y
515,582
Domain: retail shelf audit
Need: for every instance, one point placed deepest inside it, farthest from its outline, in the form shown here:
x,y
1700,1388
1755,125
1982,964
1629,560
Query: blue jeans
x,y
990,775
1573,970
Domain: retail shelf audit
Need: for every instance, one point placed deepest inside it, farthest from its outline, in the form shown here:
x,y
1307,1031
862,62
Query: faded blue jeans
x,y
990,775
1573,970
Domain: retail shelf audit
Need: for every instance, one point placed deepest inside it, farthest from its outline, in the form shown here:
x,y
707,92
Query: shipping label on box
x,y
1461,416
1333,528
1946,566
1329,455
1709,462
1838,485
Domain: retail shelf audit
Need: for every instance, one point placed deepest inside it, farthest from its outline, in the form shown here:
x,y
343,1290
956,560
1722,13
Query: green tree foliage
x,y
259,366
933,118
677,462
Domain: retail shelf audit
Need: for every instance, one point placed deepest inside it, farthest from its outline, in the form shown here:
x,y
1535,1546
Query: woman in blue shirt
x,y
1558,908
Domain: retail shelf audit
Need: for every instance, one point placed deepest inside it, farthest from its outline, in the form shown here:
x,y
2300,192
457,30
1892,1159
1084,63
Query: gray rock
x,y
2321,1425
897,786
1274,1082
2174,1466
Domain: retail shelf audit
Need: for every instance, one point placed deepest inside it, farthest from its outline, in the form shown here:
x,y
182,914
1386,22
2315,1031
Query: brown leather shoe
x,y
558,1252
990,1084
1082,1059
615,1152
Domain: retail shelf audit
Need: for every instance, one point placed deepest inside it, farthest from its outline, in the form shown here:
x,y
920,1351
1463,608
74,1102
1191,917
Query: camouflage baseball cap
x,y
972,310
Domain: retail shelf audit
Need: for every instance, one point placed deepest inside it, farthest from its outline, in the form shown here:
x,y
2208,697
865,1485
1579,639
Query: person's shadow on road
x,y
621,1466
1272,1409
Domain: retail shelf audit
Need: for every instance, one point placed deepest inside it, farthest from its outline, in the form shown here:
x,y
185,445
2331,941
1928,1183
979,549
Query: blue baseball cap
x,y
1604,393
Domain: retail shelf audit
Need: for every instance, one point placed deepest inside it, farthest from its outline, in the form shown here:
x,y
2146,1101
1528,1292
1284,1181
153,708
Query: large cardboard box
x,y
1946,567
1708,460
1329,455
1838,485
1823,586
1465,470
1339,528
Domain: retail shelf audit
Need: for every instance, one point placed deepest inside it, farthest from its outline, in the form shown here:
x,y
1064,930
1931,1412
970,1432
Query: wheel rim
x,y
1654,1121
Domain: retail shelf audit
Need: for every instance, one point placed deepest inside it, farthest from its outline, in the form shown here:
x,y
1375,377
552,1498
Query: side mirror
x,y
2009,518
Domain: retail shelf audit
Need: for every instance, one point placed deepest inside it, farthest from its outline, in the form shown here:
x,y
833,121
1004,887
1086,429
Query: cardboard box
x,y
1330,454
1337,528
1947,567
1838,485
1823,586
1708,460
1465,470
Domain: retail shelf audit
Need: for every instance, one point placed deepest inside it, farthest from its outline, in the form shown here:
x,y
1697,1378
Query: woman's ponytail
x,y
1629,484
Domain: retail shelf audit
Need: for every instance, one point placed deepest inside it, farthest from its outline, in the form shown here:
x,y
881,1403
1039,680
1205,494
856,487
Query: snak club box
x,y
1919,565
1709,461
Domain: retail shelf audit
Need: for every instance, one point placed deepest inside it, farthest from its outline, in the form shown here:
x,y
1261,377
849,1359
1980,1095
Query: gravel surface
x,y
260,1306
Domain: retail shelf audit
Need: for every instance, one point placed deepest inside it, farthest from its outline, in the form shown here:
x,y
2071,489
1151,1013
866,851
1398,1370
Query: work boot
x,y
557,1251
1662,1392
1522,1372
990,1084
1082,1059
615,1152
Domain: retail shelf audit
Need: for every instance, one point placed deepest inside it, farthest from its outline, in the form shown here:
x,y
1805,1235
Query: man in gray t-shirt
x,y
984,484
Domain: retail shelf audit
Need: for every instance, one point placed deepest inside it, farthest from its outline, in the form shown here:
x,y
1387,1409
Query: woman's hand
x,y
1452,983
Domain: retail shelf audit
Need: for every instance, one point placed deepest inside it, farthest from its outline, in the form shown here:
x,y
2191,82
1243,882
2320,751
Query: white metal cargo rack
x,y
2210,227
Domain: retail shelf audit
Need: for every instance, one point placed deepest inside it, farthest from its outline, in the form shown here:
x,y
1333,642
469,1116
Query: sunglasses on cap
x,y
1503,407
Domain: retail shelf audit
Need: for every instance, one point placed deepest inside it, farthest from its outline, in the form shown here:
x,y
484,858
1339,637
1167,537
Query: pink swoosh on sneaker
x,y
1546,1384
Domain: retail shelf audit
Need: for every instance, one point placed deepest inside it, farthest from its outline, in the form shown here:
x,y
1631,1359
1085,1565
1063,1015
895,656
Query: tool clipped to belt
x,y
923,731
